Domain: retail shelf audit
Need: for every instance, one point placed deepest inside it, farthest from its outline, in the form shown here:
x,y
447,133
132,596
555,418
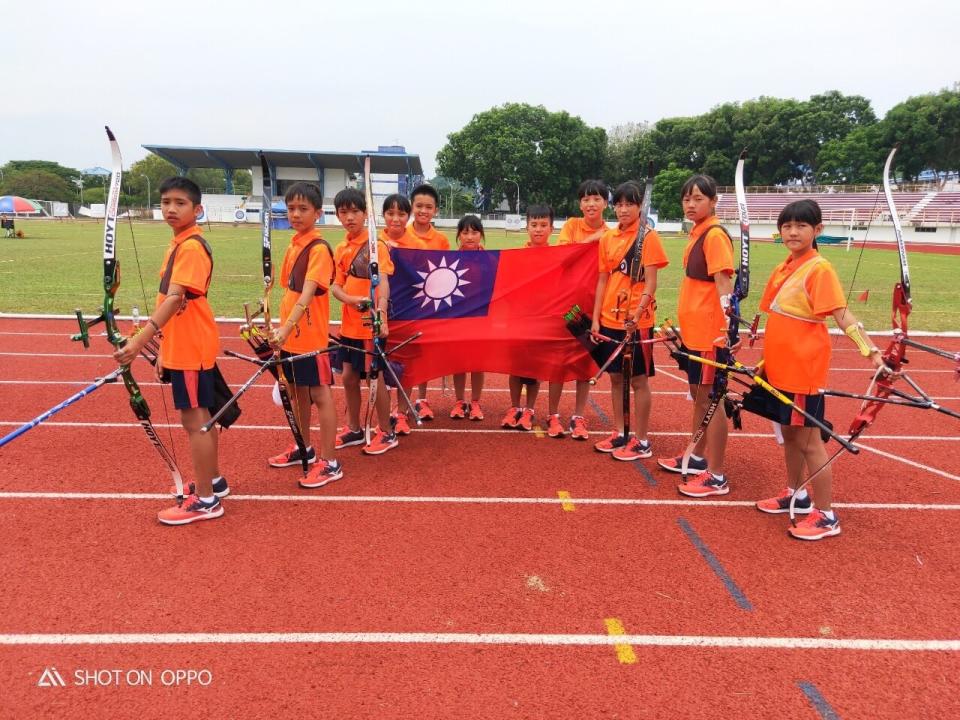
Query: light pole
x,y
149,209
518,192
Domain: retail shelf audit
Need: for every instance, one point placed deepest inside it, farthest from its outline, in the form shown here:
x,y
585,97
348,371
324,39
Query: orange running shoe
x,y
781,504
192,510
476,413
675,464
526,419
815,526
347,437
633,450
554,426
578,428
511,418
291,456
322,474
401,423
380,443
459,410
704,485
424,412
613,442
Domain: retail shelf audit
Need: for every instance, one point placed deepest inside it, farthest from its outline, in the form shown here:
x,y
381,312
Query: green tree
x,y
666,192
16,166
547,153
455,198
38,185
928,129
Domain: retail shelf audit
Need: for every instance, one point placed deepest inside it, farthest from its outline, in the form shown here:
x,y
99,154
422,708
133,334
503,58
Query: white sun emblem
x,y
441,283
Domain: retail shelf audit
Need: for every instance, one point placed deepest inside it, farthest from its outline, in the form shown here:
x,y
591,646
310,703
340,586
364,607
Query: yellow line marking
x,y
567,503
538,431
625,653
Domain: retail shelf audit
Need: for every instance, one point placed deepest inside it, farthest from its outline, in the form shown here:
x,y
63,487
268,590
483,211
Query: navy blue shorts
x,y
192,388
351,354
761,402
642,353
308,372
698,373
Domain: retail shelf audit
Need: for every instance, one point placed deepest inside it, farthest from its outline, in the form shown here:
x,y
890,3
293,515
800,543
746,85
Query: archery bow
x,y
259,341
376,320
741,288
635,271
111,281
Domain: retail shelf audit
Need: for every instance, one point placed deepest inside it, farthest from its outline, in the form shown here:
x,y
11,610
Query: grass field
x,y
57,267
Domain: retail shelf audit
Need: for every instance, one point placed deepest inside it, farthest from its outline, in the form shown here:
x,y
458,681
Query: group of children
x,y
801,293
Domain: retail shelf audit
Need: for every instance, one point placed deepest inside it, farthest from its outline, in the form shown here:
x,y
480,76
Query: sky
x,y
348,76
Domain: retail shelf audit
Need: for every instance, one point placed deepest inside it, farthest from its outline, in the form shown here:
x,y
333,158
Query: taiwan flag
x,y
491,310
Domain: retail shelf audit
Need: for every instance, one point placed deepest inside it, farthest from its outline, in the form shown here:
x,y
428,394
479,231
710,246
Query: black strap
x,y
298,273
360,265
168,270
697,259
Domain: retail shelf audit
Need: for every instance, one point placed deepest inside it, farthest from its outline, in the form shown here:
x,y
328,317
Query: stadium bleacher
x,y
857,208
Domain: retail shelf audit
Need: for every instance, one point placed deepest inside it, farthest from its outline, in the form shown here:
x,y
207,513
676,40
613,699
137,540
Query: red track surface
x,y
460,531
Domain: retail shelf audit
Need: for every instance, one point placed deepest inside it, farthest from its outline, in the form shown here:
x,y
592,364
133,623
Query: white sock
x,y
829,515
208,500
721,478
802,495
695,457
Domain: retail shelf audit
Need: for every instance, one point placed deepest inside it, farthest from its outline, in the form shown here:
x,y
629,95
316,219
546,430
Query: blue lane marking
x,y
600,413
638,465
818,701
715,565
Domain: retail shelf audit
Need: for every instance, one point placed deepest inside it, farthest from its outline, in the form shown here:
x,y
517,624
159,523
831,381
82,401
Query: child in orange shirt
x,y
189,346
425,201
708,276
306,274
622,306
396,213
470,236
593,196
351,287
801,293
539,228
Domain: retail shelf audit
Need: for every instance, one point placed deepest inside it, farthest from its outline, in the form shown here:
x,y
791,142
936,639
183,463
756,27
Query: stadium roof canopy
x,y
228,159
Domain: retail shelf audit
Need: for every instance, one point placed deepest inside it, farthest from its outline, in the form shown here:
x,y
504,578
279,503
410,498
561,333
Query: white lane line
x,y
477,431
428,638
467,500
907,461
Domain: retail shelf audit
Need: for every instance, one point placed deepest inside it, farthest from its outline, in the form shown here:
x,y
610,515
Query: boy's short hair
x,y
805,211
185,185
539,211
426,189
629,191
308,191
593,187
397,201
350,197
470,222
704,183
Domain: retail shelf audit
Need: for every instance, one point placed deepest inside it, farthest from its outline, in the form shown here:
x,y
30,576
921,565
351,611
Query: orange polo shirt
x,y
797,352
433,238
701,318
613,246
190,338
408,240
576,230
351,320
311,331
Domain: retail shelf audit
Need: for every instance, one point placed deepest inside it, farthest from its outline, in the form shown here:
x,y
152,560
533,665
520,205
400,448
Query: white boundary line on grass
x,y
537,639
468,500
